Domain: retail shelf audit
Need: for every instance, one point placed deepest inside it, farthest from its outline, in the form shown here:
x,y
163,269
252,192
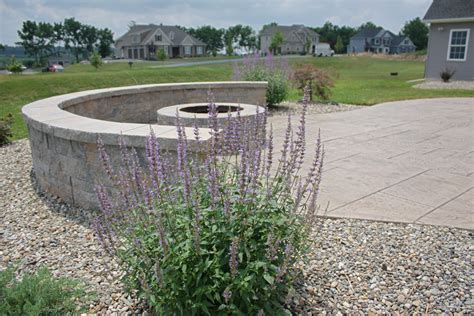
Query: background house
x,y
451,39
143,41
378,40
296,39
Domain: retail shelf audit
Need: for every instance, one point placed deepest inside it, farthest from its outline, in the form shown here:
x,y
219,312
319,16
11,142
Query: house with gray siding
x,y
451,39
297,39
378,40
143,41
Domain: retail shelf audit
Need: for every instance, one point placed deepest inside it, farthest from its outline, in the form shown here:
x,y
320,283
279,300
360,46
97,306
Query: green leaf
x,y
269,278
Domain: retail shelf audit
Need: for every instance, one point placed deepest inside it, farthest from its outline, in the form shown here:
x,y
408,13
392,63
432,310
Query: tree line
x,y
41,39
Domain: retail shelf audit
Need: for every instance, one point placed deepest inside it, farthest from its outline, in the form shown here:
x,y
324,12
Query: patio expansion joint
x,y
442,204
380,190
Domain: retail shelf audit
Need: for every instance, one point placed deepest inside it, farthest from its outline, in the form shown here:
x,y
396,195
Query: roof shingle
x,y
450,9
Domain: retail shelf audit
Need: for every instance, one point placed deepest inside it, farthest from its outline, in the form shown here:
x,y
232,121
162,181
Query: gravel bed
x,y
355,266
367,267
314,108
39,230
440,85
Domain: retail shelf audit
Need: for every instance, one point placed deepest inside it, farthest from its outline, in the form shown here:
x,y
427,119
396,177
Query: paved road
x,y
408,161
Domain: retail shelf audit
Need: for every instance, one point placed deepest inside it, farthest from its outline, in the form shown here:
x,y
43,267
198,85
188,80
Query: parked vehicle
x,y
55,68
323,50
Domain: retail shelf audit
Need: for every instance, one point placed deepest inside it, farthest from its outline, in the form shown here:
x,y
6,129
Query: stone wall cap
x,y
49,116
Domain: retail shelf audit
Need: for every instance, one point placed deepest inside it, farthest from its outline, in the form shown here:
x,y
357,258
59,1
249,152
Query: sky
x,y
117,14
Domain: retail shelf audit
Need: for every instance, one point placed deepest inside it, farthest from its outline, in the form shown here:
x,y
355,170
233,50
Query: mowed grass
x,y
367,80
360,80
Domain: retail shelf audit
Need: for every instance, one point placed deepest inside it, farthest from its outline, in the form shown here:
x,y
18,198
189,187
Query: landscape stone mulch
x,y
440,85
313,108
355,266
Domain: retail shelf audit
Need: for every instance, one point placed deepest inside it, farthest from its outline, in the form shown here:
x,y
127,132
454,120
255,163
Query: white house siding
x,y
438,44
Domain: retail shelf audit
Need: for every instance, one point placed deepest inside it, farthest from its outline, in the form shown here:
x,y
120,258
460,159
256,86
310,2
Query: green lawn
x,y
361,80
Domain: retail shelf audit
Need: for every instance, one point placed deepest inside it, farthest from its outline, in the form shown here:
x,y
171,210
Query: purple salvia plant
x,y
223,185
233,260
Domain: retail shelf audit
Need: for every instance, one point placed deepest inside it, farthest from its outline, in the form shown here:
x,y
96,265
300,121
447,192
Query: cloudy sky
x,y
116,14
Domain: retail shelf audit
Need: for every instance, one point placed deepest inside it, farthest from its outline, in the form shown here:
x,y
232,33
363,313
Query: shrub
x,y
219,233
447,74
161,55
96,60
6,129
14,65
39,294
319,80
275,72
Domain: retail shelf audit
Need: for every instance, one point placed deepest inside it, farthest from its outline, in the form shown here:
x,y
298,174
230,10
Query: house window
x,y
136,39
385,41
377,41
199,50
172,35
158,38
406,42
458,44
187,50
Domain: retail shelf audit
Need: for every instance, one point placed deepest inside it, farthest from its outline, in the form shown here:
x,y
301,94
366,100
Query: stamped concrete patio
x,y
407,161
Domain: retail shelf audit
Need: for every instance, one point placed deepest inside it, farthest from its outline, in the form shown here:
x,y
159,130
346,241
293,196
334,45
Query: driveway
x,y
407,161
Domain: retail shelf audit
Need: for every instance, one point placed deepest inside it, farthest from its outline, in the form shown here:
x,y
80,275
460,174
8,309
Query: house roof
x,y
145,31
450,9
287,30
368,33
398,39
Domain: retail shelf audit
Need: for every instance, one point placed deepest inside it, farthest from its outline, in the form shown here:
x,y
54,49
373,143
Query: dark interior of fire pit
x,y
198,109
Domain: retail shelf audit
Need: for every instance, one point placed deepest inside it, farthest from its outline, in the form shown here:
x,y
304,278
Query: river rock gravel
x,y
355,267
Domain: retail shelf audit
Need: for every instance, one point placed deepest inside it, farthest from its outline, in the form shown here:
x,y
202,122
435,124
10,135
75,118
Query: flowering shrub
x,y
320,81
275,72
220,231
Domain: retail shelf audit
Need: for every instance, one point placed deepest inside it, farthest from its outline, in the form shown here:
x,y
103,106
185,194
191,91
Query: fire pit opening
x,y
200,109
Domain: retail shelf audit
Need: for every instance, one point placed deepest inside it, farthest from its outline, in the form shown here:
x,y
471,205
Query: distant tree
x,y
277,40
72,36
37,39
339,47
417,31
106,39
242,36
367,25
211,36
88,38
229,39
161,55
247,38
329,33
96,60
58,31
2,47
229,48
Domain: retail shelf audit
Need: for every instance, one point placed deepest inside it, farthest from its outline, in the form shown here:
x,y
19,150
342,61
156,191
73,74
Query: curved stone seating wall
x,y
63,130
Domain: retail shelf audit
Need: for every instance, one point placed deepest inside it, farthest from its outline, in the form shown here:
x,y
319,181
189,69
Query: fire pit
x,y
191,114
